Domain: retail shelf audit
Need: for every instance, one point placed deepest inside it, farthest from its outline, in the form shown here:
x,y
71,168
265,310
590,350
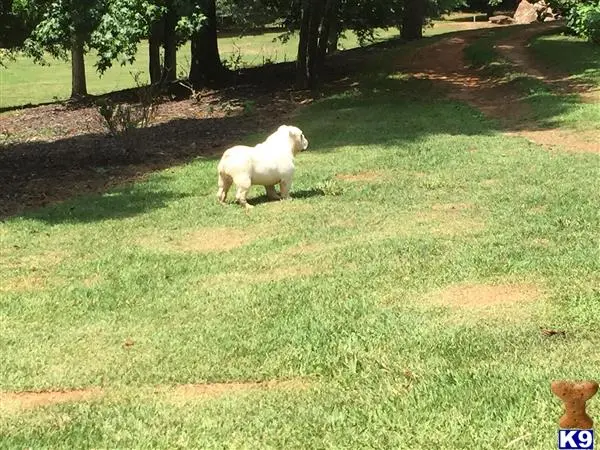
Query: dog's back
x,y
238,156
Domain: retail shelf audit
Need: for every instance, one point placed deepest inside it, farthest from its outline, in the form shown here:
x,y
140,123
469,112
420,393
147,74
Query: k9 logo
x,y
575,439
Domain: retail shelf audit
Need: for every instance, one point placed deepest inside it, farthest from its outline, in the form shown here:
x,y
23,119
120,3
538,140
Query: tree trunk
x,y
301,60
413,19
312,64
170,44
334,37
206,66
327,24
308,47
78,82
154,41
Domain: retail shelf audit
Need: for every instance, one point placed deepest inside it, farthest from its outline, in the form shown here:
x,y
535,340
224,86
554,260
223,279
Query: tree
x,y
328,34
314,34
413,19
206,66
167,24
13,27
65,29
127,22
322,22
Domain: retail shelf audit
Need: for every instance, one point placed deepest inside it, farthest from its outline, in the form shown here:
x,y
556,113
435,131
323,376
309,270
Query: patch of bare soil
x,y
451,206
42,261
14,401
23,284
564,140
282,272
444,223
37,270
204,240
450,219
486,295
305,249
540,242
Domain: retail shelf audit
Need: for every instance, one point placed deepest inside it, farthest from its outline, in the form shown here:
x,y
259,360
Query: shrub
x,y
584,19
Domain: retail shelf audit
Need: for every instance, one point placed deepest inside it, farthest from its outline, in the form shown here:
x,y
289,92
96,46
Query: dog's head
x,y
299,141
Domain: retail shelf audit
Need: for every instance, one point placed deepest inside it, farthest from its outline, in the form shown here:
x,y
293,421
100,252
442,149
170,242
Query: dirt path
x,y
17,402
444,62
515,48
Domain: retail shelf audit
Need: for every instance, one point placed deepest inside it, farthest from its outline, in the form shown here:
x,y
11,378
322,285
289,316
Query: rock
x,y
525,13
549,19
501,20
548,12
540,6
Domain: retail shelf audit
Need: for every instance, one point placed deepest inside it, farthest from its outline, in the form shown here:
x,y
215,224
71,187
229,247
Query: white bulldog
x,y
267,164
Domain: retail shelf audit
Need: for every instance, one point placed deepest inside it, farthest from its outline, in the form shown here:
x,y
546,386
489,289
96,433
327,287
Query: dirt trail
x,y
515,48
15,402
444,62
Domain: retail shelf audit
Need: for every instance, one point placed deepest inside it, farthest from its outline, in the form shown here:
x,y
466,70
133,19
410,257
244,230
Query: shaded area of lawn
x,y
36,173
571,55
25,83
570,68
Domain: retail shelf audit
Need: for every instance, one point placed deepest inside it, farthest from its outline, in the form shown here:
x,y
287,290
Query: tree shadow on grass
x,y
296,195
380,110
34,174
118,204
573,58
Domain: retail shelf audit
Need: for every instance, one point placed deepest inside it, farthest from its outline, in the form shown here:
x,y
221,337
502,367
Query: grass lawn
x,y
24,82
400,293
572,56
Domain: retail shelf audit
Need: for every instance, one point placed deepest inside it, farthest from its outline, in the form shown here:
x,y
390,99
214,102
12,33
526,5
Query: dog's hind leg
x,y
272,193
243,184
225,182
284,189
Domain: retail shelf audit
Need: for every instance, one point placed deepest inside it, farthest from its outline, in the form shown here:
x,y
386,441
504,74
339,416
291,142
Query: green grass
x,y
571,55
482,55
338,287
575,57
25,82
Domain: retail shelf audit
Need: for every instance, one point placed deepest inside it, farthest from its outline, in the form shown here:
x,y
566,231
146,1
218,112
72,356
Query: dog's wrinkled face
x,y
297,136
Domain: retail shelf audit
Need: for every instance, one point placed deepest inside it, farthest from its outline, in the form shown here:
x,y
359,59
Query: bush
x,y
122,119
584,19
